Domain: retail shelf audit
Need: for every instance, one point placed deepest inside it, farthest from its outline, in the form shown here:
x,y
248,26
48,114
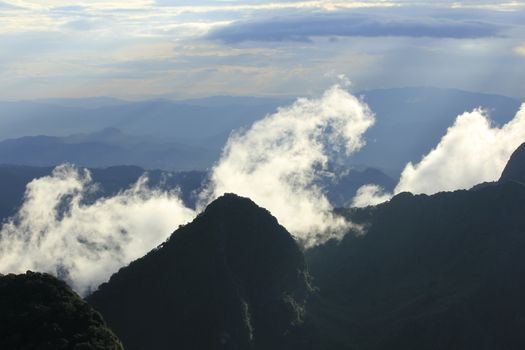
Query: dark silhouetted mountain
x,y
232,279
14,178
515,168
37,311
431,272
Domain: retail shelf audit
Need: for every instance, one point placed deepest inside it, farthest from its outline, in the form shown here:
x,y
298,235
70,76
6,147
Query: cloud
x,y
279,160
324,24
277,163
471,152
520,50
56,231
370,195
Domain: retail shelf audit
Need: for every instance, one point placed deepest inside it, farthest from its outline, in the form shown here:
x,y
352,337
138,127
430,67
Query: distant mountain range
x,y
105,148
156,134
14,178
189,135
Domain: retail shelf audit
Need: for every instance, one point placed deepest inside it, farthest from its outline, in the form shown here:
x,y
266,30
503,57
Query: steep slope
x,y
37,311
432,272
232,279
515,168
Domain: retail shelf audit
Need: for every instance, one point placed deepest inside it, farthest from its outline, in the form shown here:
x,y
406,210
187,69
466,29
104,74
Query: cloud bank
x,y
57,232
471,152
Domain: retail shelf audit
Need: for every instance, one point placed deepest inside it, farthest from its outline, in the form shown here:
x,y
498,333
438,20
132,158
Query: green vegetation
x,y
37,311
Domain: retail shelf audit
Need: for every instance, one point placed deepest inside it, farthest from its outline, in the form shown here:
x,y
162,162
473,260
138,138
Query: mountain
x,y
232,279
188,122
515,168
429,272
37,311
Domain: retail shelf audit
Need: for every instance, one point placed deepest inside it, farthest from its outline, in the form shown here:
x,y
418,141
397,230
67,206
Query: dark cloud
x,y
332,25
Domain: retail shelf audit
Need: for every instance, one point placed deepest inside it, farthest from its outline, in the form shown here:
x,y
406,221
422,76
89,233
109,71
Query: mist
x,y
279,163
472,151
280,160
56,231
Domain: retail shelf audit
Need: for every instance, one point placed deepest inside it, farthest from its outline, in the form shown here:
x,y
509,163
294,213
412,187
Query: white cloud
x,y
276,163
279,159
84,244
471,152
370,195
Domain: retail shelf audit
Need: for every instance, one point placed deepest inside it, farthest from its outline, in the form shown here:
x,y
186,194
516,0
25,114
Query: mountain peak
x,y
232,278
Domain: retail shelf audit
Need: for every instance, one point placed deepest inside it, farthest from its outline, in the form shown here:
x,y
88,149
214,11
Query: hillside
x,y
37,311
431,272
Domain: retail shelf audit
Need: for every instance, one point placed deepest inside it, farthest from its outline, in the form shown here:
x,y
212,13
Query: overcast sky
x,y
168,48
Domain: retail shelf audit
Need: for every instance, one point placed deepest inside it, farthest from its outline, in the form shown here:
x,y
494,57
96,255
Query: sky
x,y
137,49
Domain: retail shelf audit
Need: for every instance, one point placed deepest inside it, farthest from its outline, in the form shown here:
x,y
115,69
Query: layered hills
x,y
189,135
